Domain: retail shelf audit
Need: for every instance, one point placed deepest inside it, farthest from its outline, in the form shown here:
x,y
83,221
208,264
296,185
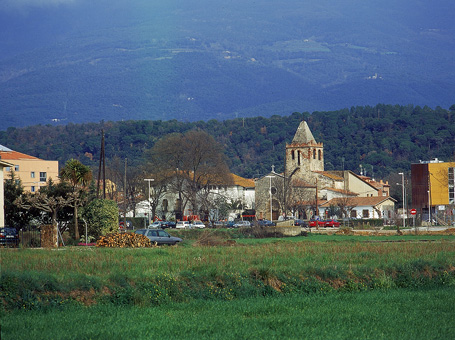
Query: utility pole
x,y
124,196
102,166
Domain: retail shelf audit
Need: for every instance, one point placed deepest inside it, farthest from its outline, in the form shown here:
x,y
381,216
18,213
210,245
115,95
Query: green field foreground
x,y
326,287
393,314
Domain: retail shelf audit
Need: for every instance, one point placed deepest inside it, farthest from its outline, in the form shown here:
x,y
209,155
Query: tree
x,y
14,215
50,199
79,176
190,163
101,217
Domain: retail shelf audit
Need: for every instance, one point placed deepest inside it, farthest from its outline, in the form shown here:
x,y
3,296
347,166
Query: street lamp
x,y
429,208
149,180
270,192
404,203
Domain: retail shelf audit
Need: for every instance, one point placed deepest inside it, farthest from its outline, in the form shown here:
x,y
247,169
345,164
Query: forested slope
x,y
382,138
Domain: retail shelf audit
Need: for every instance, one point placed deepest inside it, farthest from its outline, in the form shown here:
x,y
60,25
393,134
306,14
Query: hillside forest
x,y
379,140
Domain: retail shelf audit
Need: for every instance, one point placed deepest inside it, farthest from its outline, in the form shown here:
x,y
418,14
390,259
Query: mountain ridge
x,y
210,60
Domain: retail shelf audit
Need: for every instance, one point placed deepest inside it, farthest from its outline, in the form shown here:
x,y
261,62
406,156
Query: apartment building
x,y
32,171
433,188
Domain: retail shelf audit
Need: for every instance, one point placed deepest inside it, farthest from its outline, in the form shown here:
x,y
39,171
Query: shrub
x,y
101,216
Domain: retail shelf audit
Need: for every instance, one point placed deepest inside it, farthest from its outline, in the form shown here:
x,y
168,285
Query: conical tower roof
x,y
303,134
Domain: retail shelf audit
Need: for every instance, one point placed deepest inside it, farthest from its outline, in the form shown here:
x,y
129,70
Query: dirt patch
x,y
86,297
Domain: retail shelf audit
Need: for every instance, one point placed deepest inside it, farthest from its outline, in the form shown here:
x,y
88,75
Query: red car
x,y
332,223
316,223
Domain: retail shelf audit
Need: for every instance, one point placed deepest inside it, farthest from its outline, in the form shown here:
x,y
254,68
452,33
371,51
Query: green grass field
x,y
316,287
394,314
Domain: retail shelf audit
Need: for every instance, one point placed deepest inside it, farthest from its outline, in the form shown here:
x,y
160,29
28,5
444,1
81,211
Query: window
x,y
8,168
32,189
293,154
273,191
451,185
320,154
162,233
298,157
365,213
42,176
16,168
353,213
32,174
314,154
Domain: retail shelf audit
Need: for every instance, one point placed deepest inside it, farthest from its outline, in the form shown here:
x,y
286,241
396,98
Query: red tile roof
x,y
14,155
243,182
358,201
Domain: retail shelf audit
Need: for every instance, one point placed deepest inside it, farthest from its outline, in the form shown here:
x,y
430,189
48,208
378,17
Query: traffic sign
x,y
413,211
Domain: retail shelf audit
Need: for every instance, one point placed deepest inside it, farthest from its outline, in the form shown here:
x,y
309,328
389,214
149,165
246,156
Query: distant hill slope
x,y
85,61
382,139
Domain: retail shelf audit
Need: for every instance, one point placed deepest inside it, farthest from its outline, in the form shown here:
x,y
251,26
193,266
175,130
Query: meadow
x,y
319,286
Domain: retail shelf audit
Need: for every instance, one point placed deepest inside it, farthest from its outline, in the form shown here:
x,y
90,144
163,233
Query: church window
x,y
319,154
314,154
293,154
298,157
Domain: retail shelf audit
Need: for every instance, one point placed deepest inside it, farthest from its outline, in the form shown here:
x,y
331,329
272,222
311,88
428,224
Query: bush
x,y
101,216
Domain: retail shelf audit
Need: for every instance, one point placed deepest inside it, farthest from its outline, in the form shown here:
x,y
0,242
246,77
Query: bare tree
x,y
46,202
191,163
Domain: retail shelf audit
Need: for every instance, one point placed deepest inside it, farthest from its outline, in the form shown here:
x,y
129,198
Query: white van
x,y
182,225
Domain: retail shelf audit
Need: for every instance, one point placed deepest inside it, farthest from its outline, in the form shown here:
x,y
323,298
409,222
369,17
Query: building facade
x,y
433,190
2,193
240,193
32,171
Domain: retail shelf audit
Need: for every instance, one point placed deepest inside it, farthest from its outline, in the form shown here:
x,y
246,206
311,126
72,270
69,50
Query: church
x,y
306,190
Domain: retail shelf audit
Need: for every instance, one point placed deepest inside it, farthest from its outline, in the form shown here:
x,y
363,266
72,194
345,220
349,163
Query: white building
x,y
241,194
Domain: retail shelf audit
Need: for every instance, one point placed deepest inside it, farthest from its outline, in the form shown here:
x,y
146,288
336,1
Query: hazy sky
x,y
15,4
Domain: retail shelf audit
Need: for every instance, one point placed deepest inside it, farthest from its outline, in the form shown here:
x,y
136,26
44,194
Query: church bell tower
x,y
304,155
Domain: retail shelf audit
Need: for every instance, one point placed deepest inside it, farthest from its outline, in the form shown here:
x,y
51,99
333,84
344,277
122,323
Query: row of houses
x,y
304,190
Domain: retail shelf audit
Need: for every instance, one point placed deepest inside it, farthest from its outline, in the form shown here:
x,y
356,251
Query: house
x,y
239,193
2,192
361,207
32,171
433,190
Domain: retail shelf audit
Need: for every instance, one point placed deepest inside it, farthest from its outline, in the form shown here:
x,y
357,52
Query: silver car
x,y
159,236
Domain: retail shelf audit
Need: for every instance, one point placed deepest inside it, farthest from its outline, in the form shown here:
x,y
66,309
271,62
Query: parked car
x,y
265,223
9,237
242,224
230,224
300,223
316,223
168,224
156,224
197,224
182,224
159,236
332,223
218,224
